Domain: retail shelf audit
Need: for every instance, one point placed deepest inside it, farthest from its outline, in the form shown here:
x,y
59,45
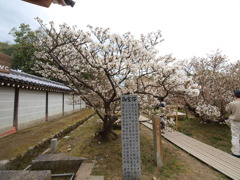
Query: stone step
x,y
96,178
84,172
25,175
57,163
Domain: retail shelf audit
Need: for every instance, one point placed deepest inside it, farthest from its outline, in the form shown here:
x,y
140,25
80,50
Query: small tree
x,y
7,48
23,50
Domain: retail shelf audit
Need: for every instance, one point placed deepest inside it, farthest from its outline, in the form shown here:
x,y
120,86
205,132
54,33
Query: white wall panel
x,y
68,106
32,105
83,104
6,106
54,103
79,104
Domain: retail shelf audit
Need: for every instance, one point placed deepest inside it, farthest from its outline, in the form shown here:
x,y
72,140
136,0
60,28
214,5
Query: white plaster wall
x,y
32,105
6,107
82,104
68,103
54,103
79,104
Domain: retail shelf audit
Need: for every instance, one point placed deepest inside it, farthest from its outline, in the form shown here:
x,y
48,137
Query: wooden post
x,y
80,101
186,111
62,104
46,110
176,127
158,149
73,102
15,111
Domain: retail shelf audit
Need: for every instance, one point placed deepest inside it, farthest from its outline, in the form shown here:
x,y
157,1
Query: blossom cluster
x,y
208,112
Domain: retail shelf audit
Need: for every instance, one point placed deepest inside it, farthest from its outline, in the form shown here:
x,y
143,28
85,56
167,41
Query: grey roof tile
x,y
24,78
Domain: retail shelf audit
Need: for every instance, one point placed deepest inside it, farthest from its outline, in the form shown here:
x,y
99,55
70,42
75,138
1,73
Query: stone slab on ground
x,y
25,175
57,163
84,172
96,178
4,164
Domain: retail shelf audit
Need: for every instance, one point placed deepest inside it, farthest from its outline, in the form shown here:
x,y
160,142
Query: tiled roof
x,y
31,81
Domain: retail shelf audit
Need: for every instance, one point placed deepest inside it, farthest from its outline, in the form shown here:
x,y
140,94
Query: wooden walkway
x,y
219,160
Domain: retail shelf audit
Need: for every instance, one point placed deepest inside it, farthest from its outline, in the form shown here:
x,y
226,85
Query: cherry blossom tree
x,y
100,67
95,64
217,80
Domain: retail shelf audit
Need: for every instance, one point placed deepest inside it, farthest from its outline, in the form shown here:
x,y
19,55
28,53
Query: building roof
x,y
28,81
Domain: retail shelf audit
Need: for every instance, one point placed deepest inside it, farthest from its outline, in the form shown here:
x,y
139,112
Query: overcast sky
x,y
189,27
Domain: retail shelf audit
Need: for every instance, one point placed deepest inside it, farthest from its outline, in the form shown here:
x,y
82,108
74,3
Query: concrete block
x,y
54,144
25,175
96,177
4,164
84,171
57,163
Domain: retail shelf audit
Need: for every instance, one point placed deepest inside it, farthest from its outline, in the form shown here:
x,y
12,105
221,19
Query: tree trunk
x,y
191,109
106,133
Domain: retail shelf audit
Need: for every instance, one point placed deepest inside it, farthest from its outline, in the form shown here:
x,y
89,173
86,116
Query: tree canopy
x,y
218,79
101,66
22,51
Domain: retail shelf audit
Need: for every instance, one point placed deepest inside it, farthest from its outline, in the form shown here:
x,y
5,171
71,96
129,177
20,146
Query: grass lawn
x,y
107,155
216,135
15,144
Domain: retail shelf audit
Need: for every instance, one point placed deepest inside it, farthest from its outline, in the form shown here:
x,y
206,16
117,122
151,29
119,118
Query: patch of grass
x,y
172,165
216,135
19,142
108,157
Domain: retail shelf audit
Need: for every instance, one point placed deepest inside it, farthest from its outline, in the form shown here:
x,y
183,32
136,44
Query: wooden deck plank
x,y
221,161
200,151
220,167
210,150
203,146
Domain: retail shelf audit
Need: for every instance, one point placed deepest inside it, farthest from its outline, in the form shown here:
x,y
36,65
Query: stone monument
x,y
131,164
